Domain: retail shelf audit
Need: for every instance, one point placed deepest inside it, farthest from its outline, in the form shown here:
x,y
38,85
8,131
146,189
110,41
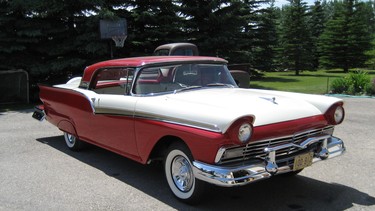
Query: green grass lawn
x,y
313,82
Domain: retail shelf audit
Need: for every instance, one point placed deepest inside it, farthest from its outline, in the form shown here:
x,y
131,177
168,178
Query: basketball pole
x,y
111,47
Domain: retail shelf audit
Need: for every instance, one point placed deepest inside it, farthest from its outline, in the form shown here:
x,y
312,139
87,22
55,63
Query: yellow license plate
x,y
302,161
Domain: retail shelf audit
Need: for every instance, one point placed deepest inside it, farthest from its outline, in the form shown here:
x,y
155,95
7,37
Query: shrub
x,y
356,83
359,81
340,85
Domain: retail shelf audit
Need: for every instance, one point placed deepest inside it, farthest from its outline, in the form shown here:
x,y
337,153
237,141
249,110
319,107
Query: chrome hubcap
x,y
182,173
71,139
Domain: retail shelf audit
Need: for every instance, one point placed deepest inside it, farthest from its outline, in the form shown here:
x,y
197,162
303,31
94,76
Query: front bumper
x,y
251,171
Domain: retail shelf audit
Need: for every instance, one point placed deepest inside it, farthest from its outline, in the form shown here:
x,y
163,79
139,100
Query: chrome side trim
x,y
251,171
113,111
178,121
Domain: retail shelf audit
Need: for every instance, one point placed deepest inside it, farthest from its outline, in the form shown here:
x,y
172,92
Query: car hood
x,y
217,108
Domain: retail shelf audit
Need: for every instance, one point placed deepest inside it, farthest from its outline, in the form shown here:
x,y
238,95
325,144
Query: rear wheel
x,y
72,142
179,174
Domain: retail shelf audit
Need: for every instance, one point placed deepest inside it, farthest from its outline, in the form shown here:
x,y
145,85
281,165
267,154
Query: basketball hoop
x,y
114,29
119,40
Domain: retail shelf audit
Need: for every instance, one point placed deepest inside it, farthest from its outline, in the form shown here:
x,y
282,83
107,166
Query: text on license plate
x,y
302,161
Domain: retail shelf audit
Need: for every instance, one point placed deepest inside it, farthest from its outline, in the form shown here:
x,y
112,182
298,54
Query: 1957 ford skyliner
x,y
189,112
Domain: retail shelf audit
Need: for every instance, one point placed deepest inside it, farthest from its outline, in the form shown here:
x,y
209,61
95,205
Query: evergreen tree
x,y
371,56
346,37
152,23
296,38
18,31
215,26
266,40
316,24
369,13
251,41
52,39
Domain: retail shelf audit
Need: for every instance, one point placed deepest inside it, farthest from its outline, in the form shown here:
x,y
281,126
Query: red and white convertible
x,y
189,112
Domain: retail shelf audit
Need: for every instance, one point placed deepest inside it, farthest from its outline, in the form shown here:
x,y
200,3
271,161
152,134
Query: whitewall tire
x,y
179,174
72,142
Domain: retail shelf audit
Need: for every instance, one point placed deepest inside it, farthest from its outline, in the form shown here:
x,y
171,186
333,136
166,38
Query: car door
x,y
112,125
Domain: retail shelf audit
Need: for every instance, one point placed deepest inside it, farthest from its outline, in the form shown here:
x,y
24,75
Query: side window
x,y
183,52
162,52
149,81
113,81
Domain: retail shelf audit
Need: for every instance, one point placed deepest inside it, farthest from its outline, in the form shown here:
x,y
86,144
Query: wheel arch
x,y
68,127
160,148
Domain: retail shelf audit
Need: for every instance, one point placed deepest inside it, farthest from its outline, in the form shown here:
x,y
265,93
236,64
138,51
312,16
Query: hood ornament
x,y
271,99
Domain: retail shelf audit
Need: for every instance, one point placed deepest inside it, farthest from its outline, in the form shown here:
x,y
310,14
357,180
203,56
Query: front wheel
x,y
180,176
72,142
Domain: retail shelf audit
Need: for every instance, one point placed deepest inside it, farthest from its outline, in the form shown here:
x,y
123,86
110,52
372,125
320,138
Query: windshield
x,y
181,77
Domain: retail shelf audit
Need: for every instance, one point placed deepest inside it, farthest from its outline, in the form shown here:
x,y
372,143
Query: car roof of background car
x,y
173,45
143,61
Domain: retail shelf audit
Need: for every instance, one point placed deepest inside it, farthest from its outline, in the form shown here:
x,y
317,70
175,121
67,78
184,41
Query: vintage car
x,y
189,112
239,72
176,49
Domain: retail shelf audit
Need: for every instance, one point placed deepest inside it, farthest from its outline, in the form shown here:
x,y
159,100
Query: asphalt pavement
x,y
38,172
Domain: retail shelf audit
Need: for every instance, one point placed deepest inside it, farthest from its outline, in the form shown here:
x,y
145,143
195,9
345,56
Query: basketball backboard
x,y
113,28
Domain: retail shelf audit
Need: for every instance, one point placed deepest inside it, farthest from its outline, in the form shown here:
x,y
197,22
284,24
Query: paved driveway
x,y
37,172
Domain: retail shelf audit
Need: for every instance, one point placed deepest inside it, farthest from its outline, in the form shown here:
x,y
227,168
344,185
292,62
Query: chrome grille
x,y
256,149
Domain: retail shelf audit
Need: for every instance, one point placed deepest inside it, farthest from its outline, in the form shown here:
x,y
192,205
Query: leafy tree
x,y
295,37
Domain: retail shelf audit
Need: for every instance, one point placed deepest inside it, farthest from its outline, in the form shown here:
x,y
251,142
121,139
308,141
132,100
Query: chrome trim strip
x,y
159,118
313,131
303,145
114,111
219,154
250,171
177,121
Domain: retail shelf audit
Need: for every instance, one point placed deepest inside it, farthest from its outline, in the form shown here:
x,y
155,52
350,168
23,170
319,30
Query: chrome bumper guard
x,y
247,173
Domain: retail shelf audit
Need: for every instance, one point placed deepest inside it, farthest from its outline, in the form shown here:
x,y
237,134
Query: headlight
x,y
244,132
241,130
339,114
335,114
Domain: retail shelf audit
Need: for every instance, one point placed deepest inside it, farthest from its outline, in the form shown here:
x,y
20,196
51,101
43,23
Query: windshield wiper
x,y
187,88
220,84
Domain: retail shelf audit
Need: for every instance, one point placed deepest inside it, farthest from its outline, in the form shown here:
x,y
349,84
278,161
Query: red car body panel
x,y
136,137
